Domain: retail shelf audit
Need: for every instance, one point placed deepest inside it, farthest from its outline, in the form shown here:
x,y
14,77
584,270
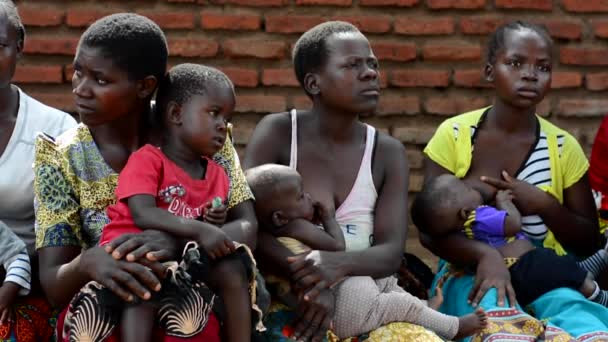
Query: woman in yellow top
x,y
507,146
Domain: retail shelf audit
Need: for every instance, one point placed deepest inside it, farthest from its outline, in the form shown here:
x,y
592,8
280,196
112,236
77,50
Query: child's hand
x,y
216,243
8,293
503,196
216,215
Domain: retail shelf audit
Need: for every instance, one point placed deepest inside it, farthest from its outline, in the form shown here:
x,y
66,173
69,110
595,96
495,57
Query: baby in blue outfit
x,y
447,205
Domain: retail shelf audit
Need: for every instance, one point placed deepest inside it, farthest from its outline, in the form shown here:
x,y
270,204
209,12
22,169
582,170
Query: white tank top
x,y
356,214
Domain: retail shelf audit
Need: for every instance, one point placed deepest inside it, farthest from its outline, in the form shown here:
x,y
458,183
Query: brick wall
x,y
430,53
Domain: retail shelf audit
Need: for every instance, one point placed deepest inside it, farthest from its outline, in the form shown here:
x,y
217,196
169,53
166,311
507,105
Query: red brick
x,y
563,29
453,105
424,26
279,77
456,4
451,52
597,81
80,17
184,1
38,74
383,79
398,105
420,78
413,135
68,72
471,78
61,100
368,23
482,25
541,5
582,107
399,3
39,15
260,103
301,102
189,47
588,6
291,23
265,49
600,28
566,79
241,77
583,56
51,45
240,22
344,3
394,51
171,20
415,158
252,3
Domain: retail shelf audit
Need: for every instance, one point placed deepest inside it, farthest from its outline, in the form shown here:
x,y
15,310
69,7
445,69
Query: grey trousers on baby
x,y
364,304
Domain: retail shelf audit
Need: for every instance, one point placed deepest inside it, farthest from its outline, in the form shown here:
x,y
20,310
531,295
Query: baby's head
x,y
195,104
444,204
279,197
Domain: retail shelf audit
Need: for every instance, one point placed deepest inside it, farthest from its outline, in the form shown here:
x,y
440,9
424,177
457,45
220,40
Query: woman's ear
x,y
279,219
488,72
146,87
174,113
311,83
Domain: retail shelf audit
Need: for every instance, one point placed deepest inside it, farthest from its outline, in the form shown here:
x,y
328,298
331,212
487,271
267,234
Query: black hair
x,y
133,42
497,39
186,80
266,183
10,9
310,51
433,196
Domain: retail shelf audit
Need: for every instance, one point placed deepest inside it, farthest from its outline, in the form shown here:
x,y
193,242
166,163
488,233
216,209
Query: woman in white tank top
x,y
344,164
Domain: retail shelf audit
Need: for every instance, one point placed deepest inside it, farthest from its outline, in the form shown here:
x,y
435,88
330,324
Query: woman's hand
x,y
492,272
151,244
315,271
528,198
314,317
126,279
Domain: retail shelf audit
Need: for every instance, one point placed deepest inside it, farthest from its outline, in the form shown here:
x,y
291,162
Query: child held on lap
x,y
172,189
362,303
448,205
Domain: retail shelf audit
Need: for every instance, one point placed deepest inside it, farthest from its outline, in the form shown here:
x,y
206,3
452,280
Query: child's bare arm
x,y
147,215
328,218
504,201
309,234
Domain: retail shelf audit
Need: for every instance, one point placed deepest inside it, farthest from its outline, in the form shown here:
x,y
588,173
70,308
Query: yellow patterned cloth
x,y
74,185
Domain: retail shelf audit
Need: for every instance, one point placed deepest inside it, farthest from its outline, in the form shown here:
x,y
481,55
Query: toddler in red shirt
x,y
177,188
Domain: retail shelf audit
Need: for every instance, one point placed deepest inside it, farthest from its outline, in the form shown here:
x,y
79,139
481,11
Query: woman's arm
x,y
574,223
457,249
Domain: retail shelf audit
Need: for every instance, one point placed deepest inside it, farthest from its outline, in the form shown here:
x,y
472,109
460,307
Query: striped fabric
x,y
18,271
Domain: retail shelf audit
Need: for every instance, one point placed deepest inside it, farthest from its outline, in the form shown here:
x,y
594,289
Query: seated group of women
x,y
357,175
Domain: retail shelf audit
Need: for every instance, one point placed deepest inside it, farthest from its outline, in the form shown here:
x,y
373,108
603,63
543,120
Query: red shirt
x,y
150,172
598,170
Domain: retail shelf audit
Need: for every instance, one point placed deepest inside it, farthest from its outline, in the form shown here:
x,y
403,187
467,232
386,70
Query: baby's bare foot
x,y
471,323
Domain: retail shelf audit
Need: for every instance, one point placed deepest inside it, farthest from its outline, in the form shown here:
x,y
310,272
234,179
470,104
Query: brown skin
x,y
522,77
114,106
330,148
196,128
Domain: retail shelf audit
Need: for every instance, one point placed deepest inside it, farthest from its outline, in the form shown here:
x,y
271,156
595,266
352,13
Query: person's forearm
x,y
457,249
333,229
61,282
377,261
576,233
513,219
272,255
242,231
162,220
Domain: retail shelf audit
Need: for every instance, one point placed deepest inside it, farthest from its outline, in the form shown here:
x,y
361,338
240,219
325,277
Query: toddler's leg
x,y
596,263
137,322
228,279
592,291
